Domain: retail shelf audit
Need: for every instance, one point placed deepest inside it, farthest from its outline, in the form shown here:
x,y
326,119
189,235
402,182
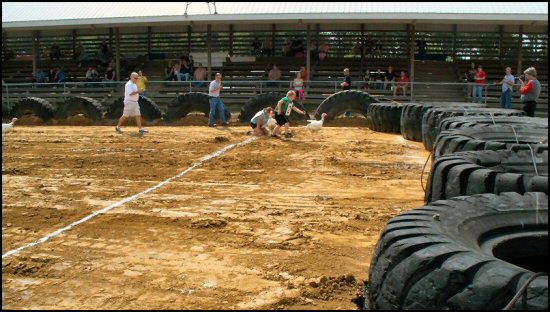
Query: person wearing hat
x,y
530,92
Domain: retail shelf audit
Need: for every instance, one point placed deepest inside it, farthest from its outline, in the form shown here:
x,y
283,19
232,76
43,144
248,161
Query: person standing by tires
x,y
480,77
530,92
346,85
507,84
216,103
131,106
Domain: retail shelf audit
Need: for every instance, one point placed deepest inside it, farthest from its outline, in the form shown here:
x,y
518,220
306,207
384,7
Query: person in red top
x,y
403,83
480,77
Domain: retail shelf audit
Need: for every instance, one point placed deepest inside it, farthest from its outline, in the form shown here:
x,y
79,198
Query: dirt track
x,y
273,224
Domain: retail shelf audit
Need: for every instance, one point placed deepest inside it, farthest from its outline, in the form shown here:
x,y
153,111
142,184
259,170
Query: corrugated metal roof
x,y
43,11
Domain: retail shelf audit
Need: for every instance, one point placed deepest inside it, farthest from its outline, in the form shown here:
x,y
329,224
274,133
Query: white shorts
x,y
131,108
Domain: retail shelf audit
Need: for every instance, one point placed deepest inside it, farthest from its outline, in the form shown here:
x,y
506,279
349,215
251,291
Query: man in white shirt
x,y
216,103
507,89
131,106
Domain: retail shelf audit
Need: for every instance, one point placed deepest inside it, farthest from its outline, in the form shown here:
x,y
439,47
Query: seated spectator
x,y
266,47
323,51
256,45
389,78
200,76
274,75
60,75
80,54
185,71
368,78
297,47
379,78
402,83
109,77
51,75
92,76
55,52
169,72
39,76
305,74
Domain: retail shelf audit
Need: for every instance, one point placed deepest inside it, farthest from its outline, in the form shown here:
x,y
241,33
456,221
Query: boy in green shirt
x,y
282,111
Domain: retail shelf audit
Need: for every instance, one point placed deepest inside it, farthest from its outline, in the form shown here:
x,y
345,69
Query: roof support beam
x,y
500,39
272,42
149,30
74,41
455,27
117,40
189,29
412,31
308,52
230,40
209,44
520,46
35,52
362,46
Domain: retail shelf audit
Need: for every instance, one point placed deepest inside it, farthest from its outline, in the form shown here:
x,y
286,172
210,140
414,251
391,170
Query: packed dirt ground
x,y
273,224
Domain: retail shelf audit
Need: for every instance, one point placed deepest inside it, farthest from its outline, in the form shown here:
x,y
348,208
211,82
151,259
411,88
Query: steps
x,y
437,72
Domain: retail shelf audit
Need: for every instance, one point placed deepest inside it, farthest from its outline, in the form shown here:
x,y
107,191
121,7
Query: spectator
x,y
422,45
191,62
480,77
287,48
530,92
369,47
61,75
142,83
389,78
109,77
368,78
346,85
92,75
379,78
51,75
169,72
185,71
200,76
55,52
216,103
297,47
80,54
131,105
266,47
177,68
101,58
298,86
323,51
39,76
402,83
274,75
304,73
470,76
256,45
507,89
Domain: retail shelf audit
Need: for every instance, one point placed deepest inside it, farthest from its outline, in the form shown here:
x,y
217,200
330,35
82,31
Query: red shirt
x,y
528,87
480,77
403,81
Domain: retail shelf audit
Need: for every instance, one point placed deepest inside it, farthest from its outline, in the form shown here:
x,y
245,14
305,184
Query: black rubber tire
x,y
36,106
434,115
469,173
343,101
149,109
89,107
384,117
260,101
486,137
6,112
412,113
191,102
443,257
476,121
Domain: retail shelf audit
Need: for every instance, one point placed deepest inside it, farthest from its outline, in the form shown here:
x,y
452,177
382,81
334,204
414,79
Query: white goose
x,y
316,125
8,127
271,124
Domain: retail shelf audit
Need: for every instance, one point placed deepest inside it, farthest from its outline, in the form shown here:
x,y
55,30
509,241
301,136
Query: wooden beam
x,y
209,44
189,30
272,42
308,52
362,46
455,28
35,49
117,57
520,46
411,57
500,40
317,31
74,41
230,40
149,31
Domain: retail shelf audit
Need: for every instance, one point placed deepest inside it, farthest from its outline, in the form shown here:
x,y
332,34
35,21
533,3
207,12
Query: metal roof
x,y
49,14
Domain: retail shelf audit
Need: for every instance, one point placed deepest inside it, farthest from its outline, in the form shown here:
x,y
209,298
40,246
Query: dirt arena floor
x,y
273,224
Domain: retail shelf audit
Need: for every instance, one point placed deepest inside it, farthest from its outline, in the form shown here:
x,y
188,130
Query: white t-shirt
x,y
214,85
129,88
505,86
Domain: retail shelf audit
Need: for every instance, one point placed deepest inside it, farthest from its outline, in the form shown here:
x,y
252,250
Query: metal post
x,y
149,30
317,31
308,54
189,30
209,44
231,40
272,42
500,39
74,41
117,40
455,27
411,58
362,46
35,52
520,46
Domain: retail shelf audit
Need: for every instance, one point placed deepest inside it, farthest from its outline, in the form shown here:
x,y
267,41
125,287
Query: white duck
x,y
8,127
271,124
316,125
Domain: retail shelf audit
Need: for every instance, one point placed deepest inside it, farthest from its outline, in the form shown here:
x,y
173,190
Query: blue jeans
x,y
216,104
347,114
478,93
506,99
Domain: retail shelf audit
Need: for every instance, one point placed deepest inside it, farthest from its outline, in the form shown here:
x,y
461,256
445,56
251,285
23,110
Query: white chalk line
x,y
128,199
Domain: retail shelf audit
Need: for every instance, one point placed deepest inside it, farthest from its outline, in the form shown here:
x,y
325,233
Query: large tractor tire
x,y
384,117
34,106
486,138
476,121
150,111
344,101
432,118
6,111
191,102
412,113
86,106
465,253
260,101
517,170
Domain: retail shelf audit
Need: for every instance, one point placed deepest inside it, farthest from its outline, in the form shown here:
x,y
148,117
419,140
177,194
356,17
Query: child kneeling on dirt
x,y
259,121
283,110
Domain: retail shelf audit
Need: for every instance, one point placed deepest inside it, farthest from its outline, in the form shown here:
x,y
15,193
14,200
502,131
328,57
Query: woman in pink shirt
x,y
403,83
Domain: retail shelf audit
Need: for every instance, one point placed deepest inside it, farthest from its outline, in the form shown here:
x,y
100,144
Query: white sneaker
x,y
143,130
119,130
